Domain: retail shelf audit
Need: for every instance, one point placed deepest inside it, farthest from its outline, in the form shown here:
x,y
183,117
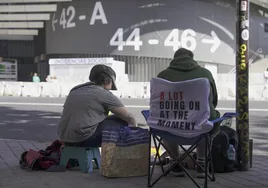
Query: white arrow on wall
x,y
54,21
215,41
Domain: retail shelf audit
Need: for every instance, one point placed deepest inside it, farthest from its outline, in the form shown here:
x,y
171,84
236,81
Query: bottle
x,y
231,153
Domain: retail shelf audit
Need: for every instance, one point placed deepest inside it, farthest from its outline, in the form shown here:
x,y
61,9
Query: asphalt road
x,y
36,118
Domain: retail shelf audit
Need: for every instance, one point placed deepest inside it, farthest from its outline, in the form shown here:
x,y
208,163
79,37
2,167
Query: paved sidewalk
x,y
11,176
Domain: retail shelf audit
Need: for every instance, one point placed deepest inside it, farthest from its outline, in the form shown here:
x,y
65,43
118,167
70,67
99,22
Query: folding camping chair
x,y
162,132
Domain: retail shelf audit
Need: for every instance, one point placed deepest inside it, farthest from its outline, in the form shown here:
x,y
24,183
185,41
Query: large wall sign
x,y
144,28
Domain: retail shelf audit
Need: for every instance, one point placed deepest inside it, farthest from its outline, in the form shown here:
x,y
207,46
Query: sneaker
x,y
176,171
200,173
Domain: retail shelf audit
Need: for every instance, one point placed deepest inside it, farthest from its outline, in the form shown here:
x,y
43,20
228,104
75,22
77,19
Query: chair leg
x,y
212,170
179,161
88,164
157,146
149,161
211,161
97,157
64,159
206,161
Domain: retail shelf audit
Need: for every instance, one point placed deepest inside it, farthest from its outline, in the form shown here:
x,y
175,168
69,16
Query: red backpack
x,y
42,159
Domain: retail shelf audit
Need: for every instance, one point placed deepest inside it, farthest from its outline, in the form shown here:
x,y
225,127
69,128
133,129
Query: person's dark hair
x,y
102,79
183,52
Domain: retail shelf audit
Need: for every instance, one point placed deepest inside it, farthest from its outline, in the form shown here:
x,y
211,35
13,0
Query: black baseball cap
x,y
103,69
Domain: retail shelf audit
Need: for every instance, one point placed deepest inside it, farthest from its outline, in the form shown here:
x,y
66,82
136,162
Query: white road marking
x,y
128,106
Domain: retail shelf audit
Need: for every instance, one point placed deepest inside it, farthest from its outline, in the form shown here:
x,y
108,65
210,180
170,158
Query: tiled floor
x,y
11,176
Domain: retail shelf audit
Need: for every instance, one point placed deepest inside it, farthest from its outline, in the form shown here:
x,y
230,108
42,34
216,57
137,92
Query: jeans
x,y
96,139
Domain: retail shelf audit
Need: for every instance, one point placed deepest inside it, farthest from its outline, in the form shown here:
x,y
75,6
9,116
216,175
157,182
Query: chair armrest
x,y
219,119
228,115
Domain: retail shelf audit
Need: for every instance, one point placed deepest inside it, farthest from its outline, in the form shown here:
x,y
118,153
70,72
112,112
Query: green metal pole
x,y
242,83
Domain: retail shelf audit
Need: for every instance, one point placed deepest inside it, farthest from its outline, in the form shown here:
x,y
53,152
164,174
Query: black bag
x,y
227,136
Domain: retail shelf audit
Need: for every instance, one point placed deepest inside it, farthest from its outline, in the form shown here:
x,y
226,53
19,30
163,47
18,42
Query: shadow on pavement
x,y
41,125
259,134
28,124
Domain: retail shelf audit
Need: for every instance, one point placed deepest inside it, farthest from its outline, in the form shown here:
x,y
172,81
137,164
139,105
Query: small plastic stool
x,y
83,155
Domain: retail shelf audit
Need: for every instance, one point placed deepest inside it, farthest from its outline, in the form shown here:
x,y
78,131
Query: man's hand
x,y
136,125
131,120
